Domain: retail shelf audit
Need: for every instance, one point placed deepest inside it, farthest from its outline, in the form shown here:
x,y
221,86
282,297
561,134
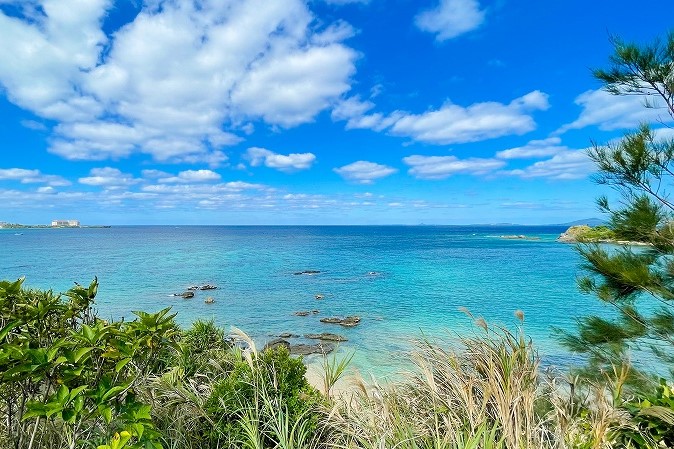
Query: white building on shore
x,y
65,223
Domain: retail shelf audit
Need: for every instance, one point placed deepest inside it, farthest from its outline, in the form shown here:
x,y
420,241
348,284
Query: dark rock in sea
x,y
307,272
325,336
349,321
319,348
307,312
277,343
287,335
185,295
208,287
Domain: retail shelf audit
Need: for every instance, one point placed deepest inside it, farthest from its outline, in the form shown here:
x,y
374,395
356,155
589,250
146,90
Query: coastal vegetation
x,y
587,234
70,379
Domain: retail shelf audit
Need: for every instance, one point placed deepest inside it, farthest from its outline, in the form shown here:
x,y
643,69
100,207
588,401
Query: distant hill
x,y
587,221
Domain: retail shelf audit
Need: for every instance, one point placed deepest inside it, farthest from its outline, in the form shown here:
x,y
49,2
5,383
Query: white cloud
x,y
108,177
566,165
34,125
25,176
534,149
610,112
451,18
364,172
450,123
285,163
179,82
42,57
189,176
203,189
441,167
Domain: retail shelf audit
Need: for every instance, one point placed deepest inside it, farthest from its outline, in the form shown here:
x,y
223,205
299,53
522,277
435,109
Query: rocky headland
x,y
596,234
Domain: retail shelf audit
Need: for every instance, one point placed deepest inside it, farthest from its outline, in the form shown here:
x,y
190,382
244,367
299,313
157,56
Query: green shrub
x,y
67,378
271,377
654,416
202,344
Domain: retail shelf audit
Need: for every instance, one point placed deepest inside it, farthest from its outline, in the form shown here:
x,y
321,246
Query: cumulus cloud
x,y
609,112
364,172
108,177
282,162
179,82
451,18
189,176
565,165
534,149
441,167
450,123
25,176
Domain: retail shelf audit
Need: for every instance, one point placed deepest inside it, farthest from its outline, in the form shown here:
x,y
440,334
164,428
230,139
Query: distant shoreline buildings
x,y
65,224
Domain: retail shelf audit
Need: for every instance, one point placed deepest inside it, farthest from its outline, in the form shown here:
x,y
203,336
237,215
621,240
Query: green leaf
x,y
7,329
114,391
62,393
81,353
106,413
121,364
75,392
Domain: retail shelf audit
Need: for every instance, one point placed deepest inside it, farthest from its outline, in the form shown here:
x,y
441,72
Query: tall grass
x,y
484,392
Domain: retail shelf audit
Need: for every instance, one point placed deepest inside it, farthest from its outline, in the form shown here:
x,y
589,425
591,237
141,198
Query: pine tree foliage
x,y
638,281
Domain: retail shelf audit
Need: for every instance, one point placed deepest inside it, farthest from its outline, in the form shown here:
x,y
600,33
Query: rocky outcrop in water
x,y
310,272
185,295
319,348
277,343
287,335
349,321
326,336
307,312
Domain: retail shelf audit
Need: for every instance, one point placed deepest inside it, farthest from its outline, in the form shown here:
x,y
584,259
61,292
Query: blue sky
x,y
319,112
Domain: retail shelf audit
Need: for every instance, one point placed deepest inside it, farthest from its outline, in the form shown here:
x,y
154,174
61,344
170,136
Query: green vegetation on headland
x,y
587,234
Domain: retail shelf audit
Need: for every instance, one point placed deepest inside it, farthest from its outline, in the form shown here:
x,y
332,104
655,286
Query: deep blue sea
x,y
424,275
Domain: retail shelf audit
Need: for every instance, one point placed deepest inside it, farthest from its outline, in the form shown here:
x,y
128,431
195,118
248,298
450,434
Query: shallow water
x,y
422,276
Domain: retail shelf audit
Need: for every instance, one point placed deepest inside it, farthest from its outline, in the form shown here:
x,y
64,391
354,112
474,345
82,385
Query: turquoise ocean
x,y
405,282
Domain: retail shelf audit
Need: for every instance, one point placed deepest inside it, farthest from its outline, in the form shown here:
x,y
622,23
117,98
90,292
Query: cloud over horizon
x,y
450,123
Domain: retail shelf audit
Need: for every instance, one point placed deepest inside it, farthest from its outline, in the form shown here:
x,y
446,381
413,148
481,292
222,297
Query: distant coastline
x,y
24,226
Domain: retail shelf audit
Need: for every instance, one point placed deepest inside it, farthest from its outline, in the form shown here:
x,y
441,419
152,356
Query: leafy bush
x,y
68,378
654,415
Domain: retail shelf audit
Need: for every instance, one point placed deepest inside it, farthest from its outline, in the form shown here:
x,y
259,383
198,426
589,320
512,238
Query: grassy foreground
x,y
71,380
